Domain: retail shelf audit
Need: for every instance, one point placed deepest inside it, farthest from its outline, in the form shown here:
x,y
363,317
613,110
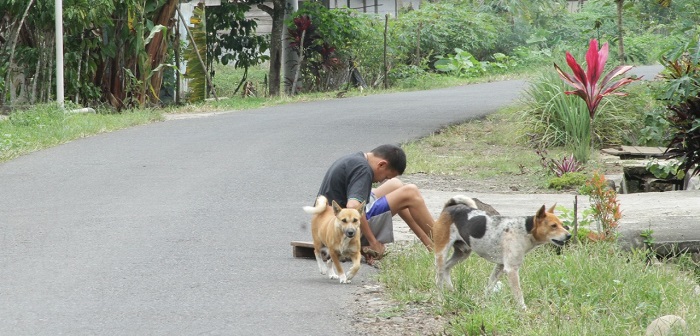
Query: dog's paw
x,y
344,279
497,287
331,273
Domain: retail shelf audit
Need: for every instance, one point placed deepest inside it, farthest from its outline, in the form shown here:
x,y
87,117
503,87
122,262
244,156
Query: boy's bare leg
x,y
407,201
424,237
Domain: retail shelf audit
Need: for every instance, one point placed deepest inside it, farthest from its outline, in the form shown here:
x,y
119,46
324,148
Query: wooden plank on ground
x,y
644,151
302,249
627,152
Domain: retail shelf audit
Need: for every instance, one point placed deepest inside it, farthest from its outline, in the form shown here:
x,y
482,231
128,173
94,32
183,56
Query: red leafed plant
x,y
587,82
568,164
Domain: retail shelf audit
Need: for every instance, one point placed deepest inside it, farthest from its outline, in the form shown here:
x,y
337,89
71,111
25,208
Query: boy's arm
x,y
374,244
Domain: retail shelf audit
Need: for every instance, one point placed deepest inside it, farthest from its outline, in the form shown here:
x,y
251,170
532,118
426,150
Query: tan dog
x,y
499,239
336,231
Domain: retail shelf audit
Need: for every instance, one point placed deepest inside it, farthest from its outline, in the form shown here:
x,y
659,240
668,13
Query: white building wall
x,y
379,7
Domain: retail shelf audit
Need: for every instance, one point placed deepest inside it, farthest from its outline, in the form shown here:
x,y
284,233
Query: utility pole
x,y
59,53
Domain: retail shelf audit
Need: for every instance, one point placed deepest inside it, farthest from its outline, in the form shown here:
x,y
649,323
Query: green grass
x,y
591,289
487,148
44,126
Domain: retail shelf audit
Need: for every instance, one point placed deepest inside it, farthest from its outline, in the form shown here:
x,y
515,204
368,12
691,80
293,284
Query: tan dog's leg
x,y
318,246
356,258
321,265
338,267
331,269
440,256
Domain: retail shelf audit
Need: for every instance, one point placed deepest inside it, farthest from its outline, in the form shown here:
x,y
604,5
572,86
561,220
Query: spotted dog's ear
x,y
541,213
551,210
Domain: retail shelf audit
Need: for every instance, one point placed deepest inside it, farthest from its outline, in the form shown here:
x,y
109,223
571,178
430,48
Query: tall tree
x,y
275,72
158,46
620,45
231,36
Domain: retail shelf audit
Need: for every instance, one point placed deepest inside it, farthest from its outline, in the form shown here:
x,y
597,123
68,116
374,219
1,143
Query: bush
x,y
651,127
682,96
444,26
335,39
568,181
553,118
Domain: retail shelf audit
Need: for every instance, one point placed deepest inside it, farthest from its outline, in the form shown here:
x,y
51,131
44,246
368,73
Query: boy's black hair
x,y
392,154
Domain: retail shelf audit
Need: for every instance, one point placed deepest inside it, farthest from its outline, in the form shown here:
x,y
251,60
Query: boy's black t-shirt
x,y
350,177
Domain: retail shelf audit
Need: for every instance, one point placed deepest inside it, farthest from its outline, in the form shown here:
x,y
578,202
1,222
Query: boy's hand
x,y
373,252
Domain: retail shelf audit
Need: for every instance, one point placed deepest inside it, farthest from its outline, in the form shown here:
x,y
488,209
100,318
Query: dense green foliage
x,y
682,97
231,37
114,51
568,181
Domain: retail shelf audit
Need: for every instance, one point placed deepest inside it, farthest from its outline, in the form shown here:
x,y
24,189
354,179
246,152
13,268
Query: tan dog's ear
x,y
551,210
540,213
336,208
361,208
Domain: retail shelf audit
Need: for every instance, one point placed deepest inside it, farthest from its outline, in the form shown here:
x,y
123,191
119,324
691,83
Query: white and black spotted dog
x,y
503,240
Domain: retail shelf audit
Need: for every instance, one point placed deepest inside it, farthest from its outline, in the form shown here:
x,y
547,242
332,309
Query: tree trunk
x,y
289,57
386,65
157,49
301,60
620,45
37,71
275,73
13,44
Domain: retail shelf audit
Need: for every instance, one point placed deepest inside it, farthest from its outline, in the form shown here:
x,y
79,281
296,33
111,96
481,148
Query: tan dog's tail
x,y
321,203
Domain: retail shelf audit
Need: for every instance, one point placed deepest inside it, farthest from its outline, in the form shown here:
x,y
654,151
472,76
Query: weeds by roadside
x,y
45,126
591,289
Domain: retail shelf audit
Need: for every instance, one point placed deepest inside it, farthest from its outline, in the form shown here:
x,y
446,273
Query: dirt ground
x,y
513,183
377,315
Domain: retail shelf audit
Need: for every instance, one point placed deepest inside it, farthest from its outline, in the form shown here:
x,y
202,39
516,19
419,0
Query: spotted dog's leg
x,y
493,279
514,281
461,252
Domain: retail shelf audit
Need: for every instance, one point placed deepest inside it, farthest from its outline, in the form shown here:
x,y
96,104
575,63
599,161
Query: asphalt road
x,y
183,227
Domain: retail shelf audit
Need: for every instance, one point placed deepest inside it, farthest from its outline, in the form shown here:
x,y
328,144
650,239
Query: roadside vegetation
x,y
590,289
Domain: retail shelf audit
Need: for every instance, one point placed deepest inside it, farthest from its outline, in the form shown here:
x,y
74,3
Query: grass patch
x,y
45,126
487,148
591,289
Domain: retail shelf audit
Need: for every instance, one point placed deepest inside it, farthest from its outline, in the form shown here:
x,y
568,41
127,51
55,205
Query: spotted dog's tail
x,y
461,199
